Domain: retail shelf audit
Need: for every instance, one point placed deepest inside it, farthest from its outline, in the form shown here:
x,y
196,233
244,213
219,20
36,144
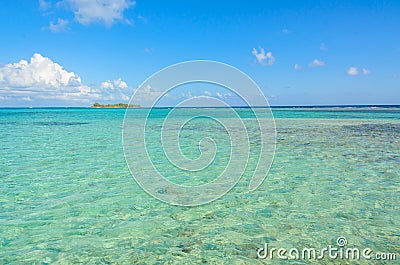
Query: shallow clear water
x,y
66,194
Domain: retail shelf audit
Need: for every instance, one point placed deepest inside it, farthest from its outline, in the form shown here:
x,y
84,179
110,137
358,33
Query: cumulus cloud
x,y
316,63
103,11
107,85
262,56
120,84
40,72
352,71
42,79
116,90
114,84
59,26
297,67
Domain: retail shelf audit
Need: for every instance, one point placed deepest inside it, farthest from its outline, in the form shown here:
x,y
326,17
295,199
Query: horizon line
x,y
205,107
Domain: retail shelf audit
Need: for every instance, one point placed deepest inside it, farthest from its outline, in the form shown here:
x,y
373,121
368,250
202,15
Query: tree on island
x,y
116,105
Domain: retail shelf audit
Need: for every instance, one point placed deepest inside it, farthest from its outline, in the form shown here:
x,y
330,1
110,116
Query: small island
x,y
114,106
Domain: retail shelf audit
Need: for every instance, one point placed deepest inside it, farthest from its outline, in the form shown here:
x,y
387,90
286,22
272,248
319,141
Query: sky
x,y
77,52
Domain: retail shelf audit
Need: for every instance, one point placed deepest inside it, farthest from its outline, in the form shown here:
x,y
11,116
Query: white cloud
x,y
116,90
60,25
116,84
104,11
316,63
366,71
120,84
42,80
107,85
285,31
352,71
40,72
297,67
262,56
323,47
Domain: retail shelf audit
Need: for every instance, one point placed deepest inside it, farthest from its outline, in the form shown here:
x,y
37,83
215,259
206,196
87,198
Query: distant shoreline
x,y
115,106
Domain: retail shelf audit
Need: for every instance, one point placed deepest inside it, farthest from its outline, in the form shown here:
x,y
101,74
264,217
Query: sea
x,y
67,195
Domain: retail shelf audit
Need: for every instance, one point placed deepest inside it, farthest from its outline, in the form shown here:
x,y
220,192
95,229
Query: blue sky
x,y
76,52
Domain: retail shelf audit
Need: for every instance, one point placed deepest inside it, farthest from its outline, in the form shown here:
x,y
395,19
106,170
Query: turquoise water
x,y
67,196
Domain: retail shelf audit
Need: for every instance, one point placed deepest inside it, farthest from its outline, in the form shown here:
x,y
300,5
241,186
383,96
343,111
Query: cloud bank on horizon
x,y
42,79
